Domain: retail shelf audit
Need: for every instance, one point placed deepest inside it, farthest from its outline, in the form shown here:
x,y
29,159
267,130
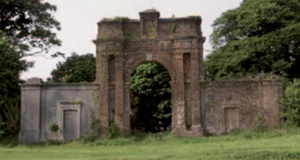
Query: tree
x,y
76,68
11,66
30,25
10,69
150,98
25,25
258,37
26,28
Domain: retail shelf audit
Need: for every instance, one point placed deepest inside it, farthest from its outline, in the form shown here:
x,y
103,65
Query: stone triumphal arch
x,y
177,44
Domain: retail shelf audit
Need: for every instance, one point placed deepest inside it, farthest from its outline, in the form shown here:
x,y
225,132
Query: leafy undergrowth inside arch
x,y
150,98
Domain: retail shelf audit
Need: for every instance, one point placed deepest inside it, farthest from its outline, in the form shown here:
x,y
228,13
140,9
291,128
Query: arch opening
x,y
150,94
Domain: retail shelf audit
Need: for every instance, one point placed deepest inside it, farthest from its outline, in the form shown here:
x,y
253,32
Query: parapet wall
x,y
149,26
225,106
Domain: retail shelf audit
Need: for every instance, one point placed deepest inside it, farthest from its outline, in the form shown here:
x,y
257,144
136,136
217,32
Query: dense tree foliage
x,y
76,68
258,37
30,25
150,98
290,103
10,68
27,27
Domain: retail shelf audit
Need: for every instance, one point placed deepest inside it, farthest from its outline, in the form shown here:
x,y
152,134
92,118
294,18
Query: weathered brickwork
x,y
175,43
228,105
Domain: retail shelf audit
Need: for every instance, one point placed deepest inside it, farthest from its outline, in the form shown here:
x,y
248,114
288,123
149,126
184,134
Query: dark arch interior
x,y
150,98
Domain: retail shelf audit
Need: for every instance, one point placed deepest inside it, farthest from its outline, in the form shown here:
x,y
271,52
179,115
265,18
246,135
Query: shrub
x,y
2,127
9,116
114,131
54,127
290,103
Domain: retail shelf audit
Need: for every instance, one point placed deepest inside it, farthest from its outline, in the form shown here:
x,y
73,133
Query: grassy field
x,y
281,144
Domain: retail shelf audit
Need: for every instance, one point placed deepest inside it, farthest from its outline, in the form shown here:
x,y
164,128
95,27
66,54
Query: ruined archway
x,y
122,44
177,44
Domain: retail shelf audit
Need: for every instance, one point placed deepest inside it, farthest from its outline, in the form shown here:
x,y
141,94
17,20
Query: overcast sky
x,y
79,19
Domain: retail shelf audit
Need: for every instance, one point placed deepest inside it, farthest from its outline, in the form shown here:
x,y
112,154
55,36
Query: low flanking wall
x,y
73,108
228,105
68,106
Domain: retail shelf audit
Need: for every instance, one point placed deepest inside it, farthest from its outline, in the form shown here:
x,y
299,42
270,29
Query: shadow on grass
x,y
9,141
268,155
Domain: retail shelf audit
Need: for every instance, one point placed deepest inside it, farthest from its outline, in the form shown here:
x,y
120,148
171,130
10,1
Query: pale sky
x,y
79,19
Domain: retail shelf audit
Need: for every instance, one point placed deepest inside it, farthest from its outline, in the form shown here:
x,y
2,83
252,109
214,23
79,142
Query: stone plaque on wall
x,y
232,119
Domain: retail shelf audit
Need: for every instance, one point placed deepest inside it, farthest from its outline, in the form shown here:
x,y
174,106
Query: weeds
x,y
9,142
9,117
114,131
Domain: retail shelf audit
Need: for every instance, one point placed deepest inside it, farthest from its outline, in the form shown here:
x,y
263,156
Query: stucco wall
x,y
44,104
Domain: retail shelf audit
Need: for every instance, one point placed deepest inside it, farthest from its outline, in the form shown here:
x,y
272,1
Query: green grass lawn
x,y
268,145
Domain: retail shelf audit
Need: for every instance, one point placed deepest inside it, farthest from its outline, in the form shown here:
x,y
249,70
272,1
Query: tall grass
x,y
266,144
